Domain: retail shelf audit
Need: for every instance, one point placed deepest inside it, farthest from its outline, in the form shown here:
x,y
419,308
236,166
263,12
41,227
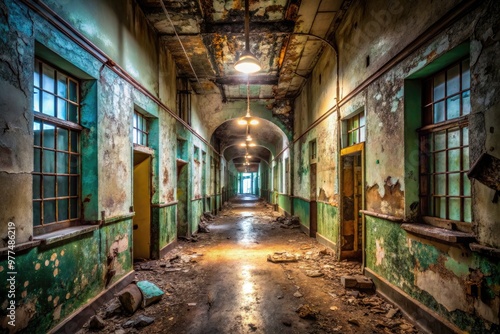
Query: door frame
x,y
149,155
354,150
313,202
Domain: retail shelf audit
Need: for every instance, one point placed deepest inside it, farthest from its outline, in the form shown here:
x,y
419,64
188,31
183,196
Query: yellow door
x,y
142,208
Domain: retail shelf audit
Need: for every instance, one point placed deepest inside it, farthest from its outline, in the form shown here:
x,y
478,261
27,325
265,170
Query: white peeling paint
x,y
446,291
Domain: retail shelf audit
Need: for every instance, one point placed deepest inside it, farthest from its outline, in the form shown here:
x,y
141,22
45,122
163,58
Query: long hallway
x,y
221,282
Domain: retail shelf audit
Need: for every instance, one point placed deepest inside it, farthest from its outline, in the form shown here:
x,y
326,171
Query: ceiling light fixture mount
x,y
247,63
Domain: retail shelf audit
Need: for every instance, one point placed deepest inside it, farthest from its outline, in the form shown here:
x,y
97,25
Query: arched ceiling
x,y
206,38
267,137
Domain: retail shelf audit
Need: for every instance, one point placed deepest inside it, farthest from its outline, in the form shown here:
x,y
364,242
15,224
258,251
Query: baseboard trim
x,y
325,242
305,229
168,248
77,319
426,320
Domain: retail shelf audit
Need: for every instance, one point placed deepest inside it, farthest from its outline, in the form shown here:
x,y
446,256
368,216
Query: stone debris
x,y
297,294
288,222
314,273
280,257
357,282
130,298
96,323
391,313
353,321
114,307
138,322
307,312
150,293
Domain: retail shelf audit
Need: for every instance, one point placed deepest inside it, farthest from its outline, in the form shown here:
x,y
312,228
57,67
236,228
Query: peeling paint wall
x,y
458,284
57,279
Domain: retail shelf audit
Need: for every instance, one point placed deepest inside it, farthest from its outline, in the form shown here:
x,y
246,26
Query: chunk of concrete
x,y
348,281
150,293
279,257
138,322
96,323
130,298
113,308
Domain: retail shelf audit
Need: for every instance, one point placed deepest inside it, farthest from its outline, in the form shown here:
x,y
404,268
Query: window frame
x,y
71,152
140,126
351,128
428,152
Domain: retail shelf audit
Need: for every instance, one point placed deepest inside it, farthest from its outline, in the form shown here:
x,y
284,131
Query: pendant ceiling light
x,y
247,63
248,119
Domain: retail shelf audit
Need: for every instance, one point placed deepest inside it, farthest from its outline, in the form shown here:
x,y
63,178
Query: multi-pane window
x,y
56,168
444,186
140,129
356,129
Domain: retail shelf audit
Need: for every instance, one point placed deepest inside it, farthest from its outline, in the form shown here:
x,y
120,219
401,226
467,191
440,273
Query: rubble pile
x,y
288,222
119,312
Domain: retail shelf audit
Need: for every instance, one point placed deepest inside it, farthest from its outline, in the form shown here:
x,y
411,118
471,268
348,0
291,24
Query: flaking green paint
x,y
301,209
328,222
284,203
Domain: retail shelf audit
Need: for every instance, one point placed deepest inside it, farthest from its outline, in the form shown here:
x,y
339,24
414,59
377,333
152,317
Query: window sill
x,y
18,248
484,250
65,234
438,233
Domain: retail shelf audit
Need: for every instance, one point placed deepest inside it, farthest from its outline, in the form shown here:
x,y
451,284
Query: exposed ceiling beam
x,y
252,80
238,27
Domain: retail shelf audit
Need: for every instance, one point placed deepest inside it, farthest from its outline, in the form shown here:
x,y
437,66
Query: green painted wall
x,y
55,280
328,222
284,203
435,274
301,209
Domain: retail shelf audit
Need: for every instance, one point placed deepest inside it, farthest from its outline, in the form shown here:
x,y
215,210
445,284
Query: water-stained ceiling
x,y
282,37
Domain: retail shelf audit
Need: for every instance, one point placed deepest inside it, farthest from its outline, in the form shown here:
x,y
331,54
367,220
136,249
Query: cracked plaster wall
x,y
433,273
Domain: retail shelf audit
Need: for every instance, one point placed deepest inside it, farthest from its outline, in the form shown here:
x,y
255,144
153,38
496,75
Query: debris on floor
x,y
205,275
280,257
356,282
288,222
150,293
307,312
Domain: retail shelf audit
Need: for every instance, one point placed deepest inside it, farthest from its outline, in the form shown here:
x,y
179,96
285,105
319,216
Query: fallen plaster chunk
x,y
279,257
150,293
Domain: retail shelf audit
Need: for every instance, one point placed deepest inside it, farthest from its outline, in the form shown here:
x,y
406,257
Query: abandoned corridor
x,y
222,282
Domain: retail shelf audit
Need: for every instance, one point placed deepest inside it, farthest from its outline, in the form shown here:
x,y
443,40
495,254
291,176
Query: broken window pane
x,y
439,83
73,113
74,208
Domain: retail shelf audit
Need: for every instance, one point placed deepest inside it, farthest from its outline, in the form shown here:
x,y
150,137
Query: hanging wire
x,y
182,45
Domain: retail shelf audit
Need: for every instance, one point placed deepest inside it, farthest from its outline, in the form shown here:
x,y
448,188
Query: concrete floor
x,y
223,283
